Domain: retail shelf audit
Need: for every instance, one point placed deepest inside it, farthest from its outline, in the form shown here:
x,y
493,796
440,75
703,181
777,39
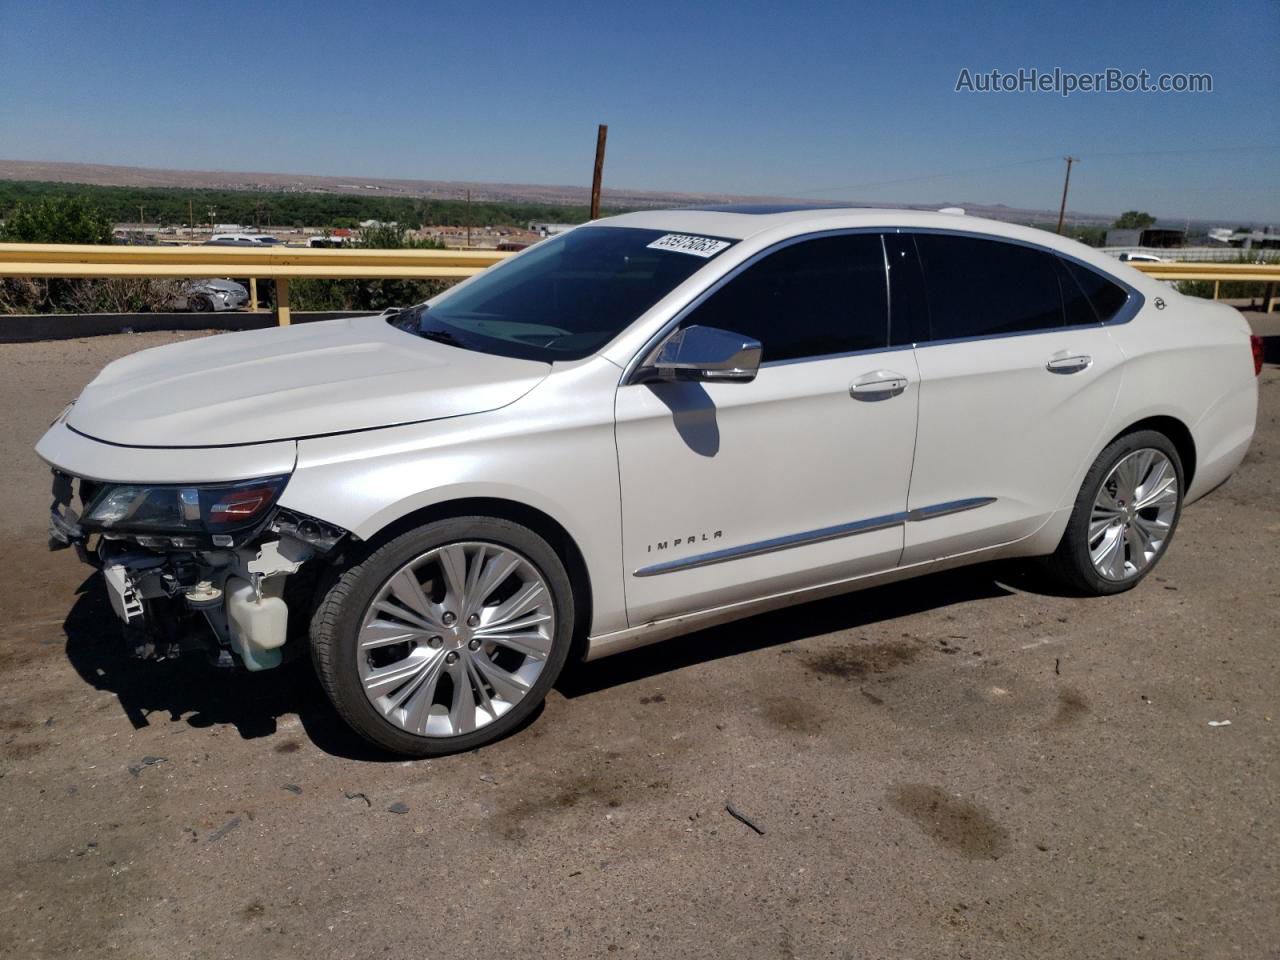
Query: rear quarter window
x,y
1105,296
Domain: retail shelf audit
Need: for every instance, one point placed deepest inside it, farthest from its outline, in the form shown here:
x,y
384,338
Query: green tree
x,y
1134,220
56,220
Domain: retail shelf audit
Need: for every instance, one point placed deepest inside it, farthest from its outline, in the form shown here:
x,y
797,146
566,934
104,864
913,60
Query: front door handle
x,y
1067,362
878,385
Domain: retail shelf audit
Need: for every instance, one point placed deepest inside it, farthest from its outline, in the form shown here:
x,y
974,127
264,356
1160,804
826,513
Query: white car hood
x,y
335,376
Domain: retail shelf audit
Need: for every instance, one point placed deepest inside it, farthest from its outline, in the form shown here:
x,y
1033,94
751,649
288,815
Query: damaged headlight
x,y
210,508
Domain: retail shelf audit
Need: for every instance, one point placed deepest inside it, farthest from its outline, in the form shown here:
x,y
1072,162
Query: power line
x,y
1023,163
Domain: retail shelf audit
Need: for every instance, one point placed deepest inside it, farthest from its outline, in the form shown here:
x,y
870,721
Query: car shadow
x,y
189,690
845,612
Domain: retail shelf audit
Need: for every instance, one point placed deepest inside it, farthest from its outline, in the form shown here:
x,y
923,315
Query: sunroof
x,y
765,208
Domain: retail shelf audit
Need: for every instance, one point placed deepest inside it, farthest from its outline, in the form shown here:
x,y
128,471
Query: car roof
x,y
779,221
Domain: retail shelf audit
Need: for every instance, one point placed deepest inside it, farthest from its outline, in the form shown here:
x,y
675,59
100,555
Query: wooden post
x,y
282,301
253,294
602,133
1062,210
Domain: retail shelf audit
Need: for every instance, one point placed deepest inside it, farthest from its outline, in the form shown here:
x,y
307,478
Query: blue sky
x,y
841,101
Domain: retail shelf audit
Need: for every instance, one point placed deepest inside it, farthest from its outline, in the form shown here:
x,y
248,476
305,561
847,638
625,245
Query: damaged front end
x,y
211,567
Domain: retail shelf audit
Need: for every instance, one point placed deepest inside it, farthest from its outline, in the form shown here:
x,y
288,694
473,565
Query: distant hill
x,y
522,193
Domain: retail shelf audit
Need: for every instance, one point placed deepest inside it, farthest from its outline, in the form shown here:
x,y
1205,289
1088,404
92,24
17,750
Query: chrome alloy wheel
x,y
455,638
1133,514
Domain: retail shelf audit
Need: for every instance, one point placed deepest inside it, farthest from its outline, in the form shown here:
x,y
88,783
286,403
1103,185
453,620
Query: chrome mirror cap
x,y
703,353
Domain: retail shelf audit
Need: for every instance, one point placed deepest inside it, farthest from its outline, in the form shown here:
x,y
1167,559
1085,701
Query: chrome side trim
x,y
944,509
836,532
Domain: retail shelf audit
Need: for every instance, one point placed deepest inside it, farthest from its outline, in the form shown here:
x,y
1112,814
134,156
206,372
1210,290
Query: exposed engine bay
x,y
188,589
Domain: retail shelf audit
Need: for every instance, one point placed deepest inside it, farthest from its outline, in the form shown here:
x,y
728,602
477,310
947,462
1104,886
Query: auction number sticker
x,y
686,243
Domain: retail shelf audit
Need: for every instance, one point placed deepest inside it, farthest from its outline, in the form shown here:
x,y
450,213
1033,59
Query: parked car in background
x,y
1139,258
243,240
203,296
639,427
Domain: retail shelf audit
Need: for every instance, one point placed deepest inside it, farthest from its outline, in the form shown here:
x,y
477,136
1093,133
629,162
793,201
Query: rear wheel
x,y
447,637
1124,517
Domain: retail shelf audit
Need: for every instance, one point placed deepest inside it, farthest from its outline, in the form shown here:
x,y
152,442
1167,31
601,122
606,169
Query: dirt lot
x,y
959,766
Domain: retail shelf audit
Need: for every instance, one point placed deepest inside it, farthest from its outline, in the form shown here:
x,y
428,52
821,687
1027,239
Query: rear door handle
x,y
1066,362
878,385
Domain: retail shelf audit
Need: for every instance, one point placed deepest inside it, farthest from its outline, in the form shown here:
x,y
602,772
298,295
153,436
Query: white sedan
x,y
643,426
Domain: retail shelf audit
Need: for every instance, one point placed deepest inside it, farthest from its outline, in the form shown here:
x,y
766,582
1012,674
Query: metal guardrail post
x,y
253,294
282,301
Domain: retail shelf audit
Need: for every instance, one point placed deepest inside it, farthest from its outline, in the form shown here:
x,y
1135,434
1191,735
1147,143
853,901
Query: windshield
x,y
567,296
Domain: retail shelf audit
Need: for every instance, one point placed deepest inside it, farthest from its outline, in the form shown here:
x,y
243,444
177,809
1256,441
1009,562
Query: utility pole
x,y
191,220
468,218
602,132
1062,210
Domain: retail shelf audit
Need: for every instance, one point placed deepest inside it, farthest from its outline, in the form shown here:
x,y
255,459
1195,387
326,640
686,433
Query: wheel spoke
x,y
462,711
383,633
531,644
1138,545
406,589
477,681
517,605
1166,494
493,575
418,706
378,682
453,566
1154,530
508,686
1112,543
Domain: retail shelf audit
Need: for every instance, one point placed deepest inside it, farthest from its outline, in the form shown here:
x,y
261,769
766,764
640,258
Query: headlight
x,y
211,508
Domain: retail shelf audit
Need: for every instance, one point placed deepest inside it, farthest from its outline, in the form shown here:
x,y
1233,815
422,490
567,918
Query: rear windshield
x,y
567,296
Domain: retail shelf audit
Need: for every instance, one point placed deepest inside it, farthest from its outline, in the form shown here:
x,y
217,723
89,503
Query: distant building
x,y
1146,237
549,229
1265,239
375,224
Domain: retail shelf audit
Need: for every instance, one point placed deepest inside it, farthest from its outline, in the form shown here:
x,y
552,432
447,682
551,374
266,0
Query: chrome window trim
x,y
1134,302
638,360
837,532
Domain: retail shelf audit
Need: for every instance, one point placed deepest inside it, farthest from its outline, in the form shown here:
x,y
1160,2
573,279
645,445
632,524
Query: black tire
x,y
336,622
1071,563
199,304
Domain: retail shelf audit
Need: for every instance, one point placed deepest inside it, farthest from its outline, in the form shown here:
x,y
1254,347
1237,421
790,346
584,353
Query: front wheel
x,y
445,638
1124,517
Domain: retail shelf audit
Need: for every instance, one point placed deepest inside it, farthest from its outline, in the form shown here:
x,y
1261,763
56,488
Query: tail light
x,y
1255,341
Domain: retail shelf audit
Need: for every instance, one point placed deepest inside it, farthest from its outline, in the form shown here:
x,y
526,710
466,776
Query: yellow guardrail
x,y
1219,273
280,264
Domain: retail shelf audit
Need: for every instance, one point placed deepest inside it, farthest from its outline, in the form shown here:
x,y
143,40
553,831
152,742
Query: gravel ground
x,y
959,766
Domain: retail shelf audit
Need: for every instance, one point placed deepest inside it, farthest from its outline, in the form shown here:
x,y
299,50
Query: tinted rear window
x,y
982,288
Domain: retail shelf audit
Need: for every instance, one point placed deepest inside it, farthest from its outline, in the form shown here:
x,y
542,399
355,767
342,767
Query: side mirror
x,y
703,353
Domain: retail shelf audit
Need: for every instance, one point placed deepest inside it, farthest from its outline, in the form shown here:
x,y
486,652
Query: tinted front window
x,y
1106,296
809,299
567,296
982,288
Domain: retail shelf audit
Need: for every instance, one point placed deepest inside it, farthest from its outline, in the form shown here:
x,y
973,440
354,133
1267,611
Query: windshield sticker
x,y
685,243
